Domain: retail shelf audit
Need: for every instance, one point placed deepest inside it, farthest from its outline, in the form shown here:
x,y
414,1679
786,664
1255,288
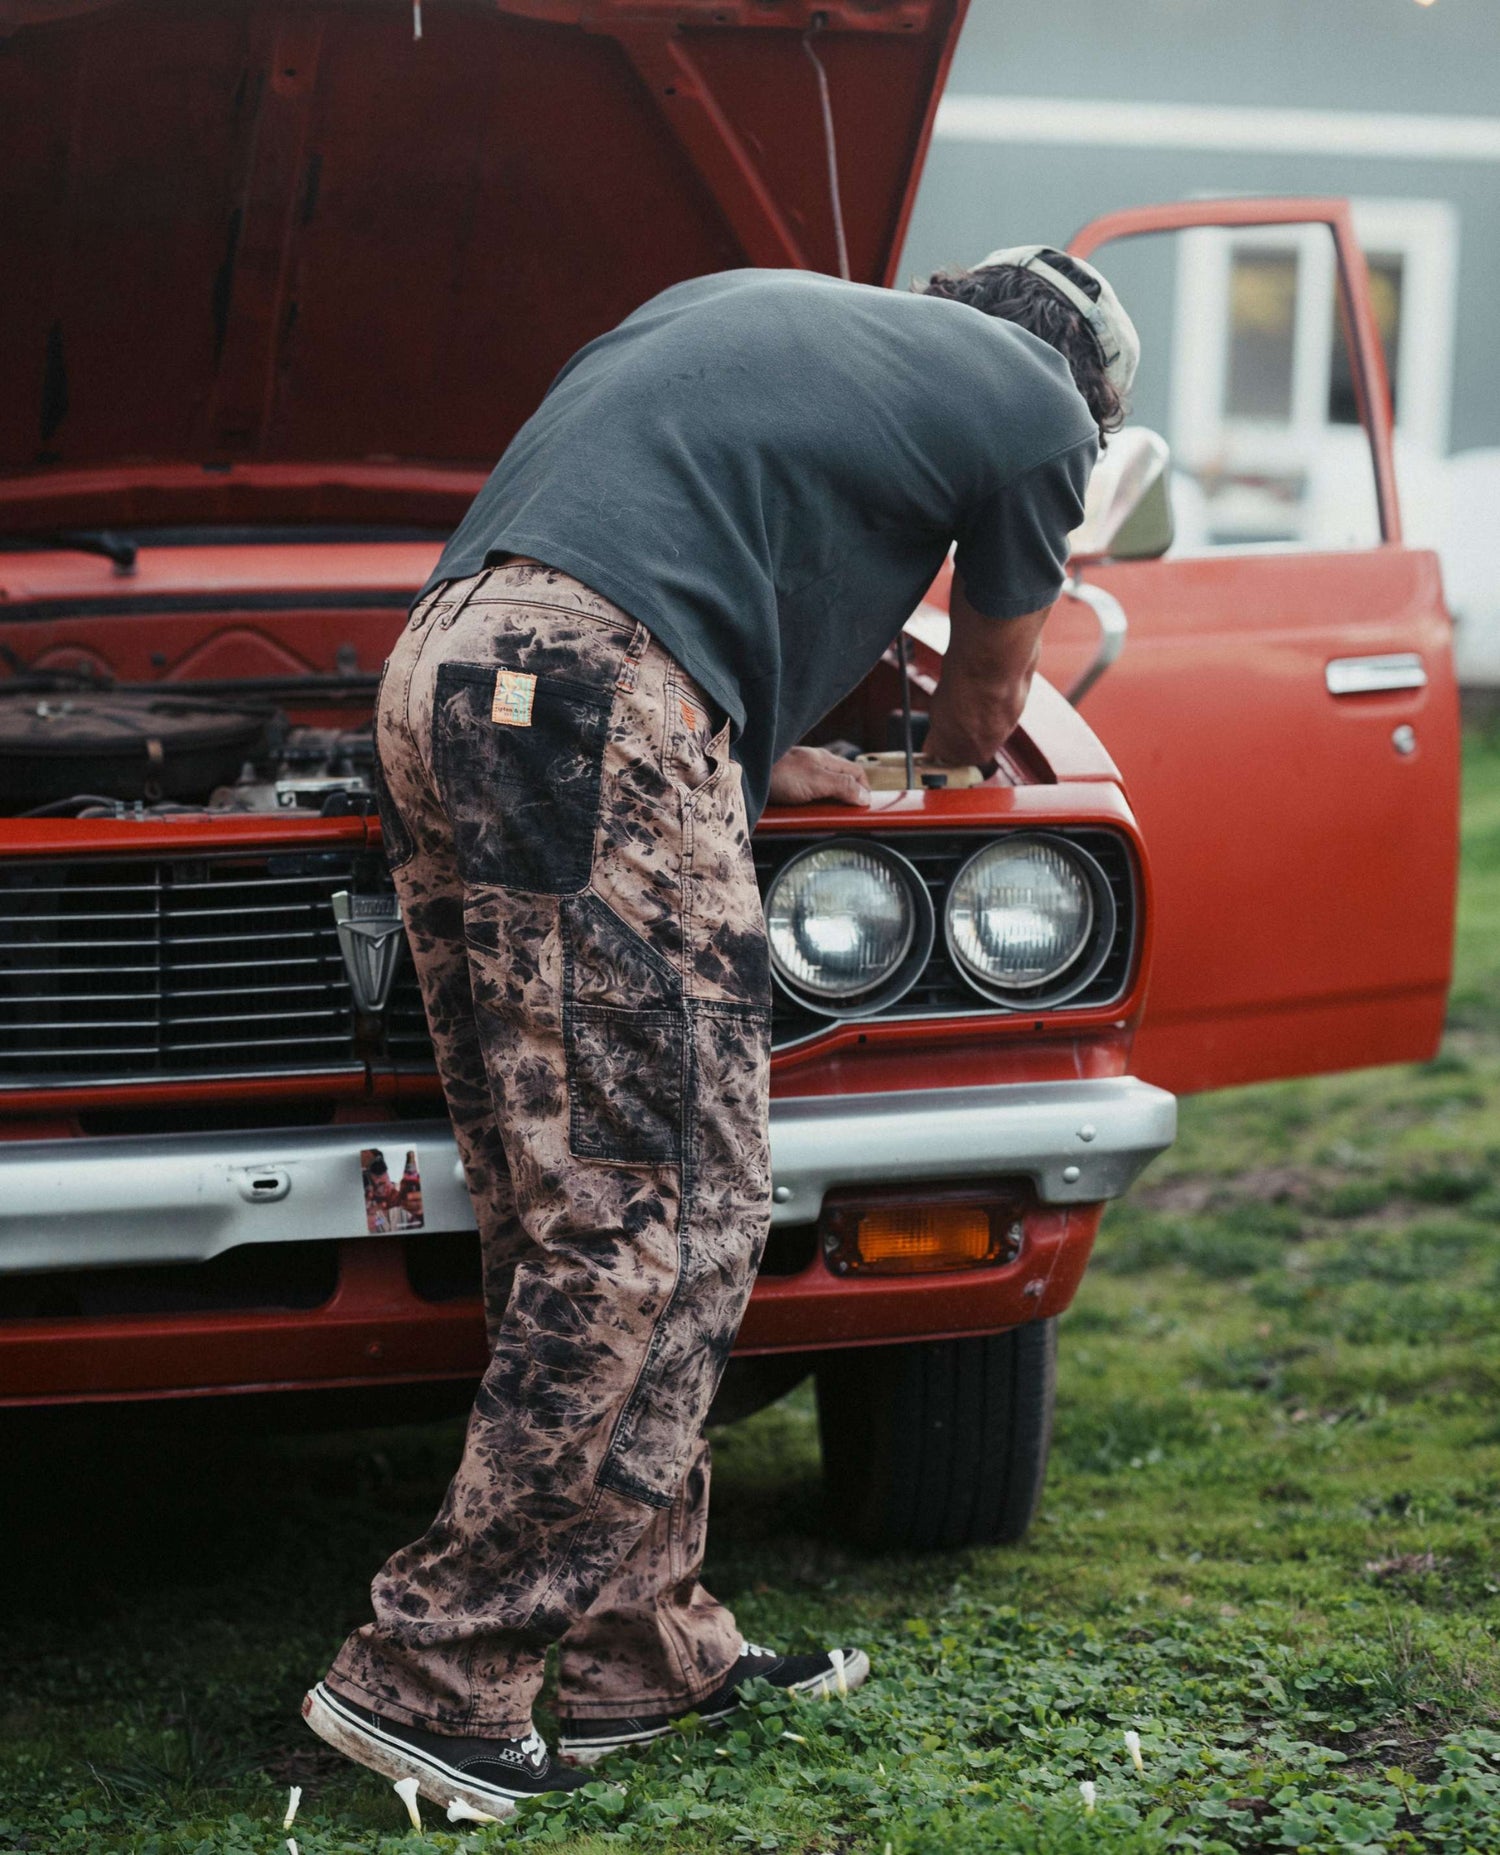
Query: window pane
x,y
1385,294
1262,326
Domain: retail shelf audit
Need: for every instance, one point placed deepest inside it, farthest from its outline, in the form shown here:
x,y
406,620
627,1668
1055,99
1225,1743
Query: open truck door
x,y
1283,706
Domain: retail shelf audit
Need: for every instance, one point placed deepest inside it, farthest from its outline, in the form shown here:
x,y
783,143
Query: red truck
x,y
282,278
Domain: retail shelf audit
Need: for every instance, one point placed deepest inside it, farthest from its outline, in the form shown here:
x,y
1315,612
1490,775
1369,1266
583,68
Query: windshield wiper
x,y
118,548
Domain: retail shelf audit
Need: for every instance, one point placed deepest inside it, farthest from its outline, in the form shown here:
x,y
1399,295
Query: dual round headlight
x,y
850,927
1019,914
1027,921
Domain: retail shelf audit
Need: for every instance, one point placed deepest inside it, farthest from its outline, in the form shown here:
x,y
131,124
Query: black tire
x,y
940,1444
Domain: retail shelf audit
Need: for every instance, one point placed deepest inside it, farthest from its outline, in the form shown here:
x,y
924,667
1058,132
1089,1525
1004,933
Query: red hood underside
x,y
246,237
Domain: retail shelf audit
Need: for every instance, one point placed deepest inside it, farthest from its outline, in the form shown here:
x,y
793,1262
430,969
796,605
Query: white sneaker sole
x,y
367,1745
850,1670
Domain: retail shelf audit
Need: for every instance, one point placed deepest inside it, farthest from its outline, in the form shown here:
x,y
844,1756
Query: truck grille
x,y
141,968
229,964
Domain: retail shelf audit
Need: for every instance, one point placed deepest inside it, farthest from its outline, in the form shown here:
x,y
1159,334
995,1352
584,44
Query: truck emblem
x,y
370,939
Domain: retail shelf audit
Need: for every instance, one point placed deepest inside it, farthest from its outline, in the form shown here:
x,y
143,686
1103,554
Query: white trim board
x,y
1092,123
1424,233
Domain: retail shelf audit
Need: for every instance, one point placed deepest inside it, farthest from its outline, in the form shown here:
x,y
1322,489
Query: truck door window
x,y
1387,285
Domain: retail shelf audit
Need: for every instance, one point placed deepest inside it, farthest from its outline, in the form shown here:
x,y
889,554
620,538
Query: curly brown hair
x,y
1024,298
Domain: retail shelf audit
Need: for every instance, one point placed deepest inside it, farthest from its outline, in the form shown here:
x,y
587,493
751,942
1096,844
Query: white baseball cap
x,y
1105,314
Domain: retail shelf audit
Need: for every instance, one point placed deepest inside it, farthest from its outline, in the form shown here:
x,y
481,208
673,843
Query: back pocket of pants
x,y
522,794
626,1087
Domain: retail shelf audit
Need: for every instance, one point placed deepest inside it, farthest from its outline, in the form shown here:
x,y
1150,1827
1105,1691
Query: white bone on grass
x,y
460,1812
406,1790
294,1797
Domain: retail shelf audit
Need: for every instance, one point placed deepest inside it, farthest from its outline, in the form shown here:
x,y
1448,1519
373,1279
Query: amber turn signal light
x,y
917,1237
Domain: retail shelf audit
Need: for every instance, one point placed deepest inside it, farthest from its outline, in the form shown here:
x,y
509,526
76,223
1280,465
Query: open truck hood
x,y
284,261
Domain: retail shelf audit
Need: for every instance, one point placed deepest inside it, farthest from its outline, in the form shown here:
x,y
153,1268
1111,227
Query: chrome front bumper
x,y
81,1204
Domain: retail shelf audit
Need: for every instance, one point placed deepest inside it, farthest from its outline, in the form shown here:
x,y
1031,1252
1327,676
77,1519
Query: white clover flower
x,y
293,1799
460,1812
406,1790
1133,1747
1089,1795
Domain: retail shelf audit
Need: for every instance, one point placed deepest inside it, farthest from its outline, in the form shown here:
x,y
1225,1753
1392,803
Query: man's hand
x,y
808,773
985,682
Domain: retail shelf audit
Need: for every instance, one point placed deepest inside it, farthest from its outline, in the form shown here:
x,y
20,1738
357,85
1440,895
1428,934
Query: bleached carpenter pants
x,y
569,843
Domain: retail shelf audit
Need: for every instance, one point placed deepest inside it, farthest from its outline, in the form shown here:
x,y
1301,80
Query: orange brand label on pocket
x,y
515,691
691,719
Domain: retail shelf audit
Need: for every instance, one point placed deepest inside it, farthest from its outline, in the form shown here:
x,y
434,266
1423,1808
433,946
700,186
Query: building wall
x,y
1426,76
1345,54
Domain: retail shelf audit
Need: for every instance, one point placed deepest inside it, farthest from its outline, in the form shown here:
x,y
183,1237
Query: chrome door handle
x,y
1367,676
1113,626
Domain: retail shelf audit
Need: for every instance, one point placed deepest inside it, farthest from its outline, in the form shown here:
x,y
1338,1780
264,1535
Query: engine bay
x,y
74,743
122,753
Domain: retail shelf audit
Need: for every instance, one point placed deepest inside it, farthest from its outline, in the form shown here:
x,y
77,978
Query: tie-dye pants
x,y
569,843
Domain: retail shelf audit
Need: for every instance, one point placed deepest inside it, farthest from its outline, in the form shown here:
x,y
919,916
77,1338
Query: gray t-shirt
x,y
767,468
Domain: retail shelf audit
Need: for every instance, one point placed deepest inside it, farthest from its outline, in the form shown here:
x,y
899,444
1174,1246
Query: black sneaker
x,y
491,1775
813,1677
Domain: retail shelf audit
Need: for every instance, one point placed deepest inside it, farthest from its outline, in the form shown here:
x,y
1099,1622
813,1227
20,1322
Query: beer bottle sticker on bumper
x,y
515,691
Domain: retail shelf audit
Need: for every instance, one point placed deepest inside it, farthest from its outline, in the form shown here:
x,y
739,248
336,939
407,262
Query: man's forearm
x,y
973,715
986,679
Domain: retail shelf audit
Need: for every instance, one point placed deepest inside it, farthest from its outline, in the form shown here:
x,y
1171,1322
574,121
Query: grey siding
x,y
1338,54
1308,54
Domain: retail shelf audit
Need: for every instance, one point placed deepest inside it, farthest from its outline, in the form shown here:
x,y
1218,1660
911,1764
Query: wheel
x,y
938,1444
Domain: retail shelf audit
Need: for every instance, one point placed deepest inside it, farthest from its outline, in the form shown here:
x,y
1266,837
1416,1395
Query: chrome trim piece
x,y
155,1198
1113,626
1078,1142
160,1198
372,940
1368,676
139,1082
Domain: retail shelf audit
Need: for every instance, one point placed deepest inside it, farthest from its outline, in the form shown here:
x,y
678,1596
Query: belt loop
x,y
630,669
422,610
450,619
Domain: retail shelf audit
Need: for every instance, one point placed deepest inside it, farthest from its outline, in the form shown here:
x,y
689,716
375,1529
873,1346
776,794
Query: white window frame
x,y
1424,233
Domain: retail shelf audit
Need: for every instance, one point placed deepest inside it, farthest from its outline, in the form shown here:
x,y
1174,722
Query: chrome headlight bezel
x,y
1081,967
885,991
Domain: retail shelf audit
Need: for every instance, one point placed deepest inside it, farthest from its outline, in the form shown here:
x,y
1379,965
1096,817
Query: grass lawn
x,y
1270,1547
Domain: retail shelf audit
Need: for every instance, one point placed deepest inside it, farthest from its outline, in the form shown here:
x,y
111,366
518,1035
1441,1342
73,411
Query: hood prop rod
x,y
906,724
830,146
